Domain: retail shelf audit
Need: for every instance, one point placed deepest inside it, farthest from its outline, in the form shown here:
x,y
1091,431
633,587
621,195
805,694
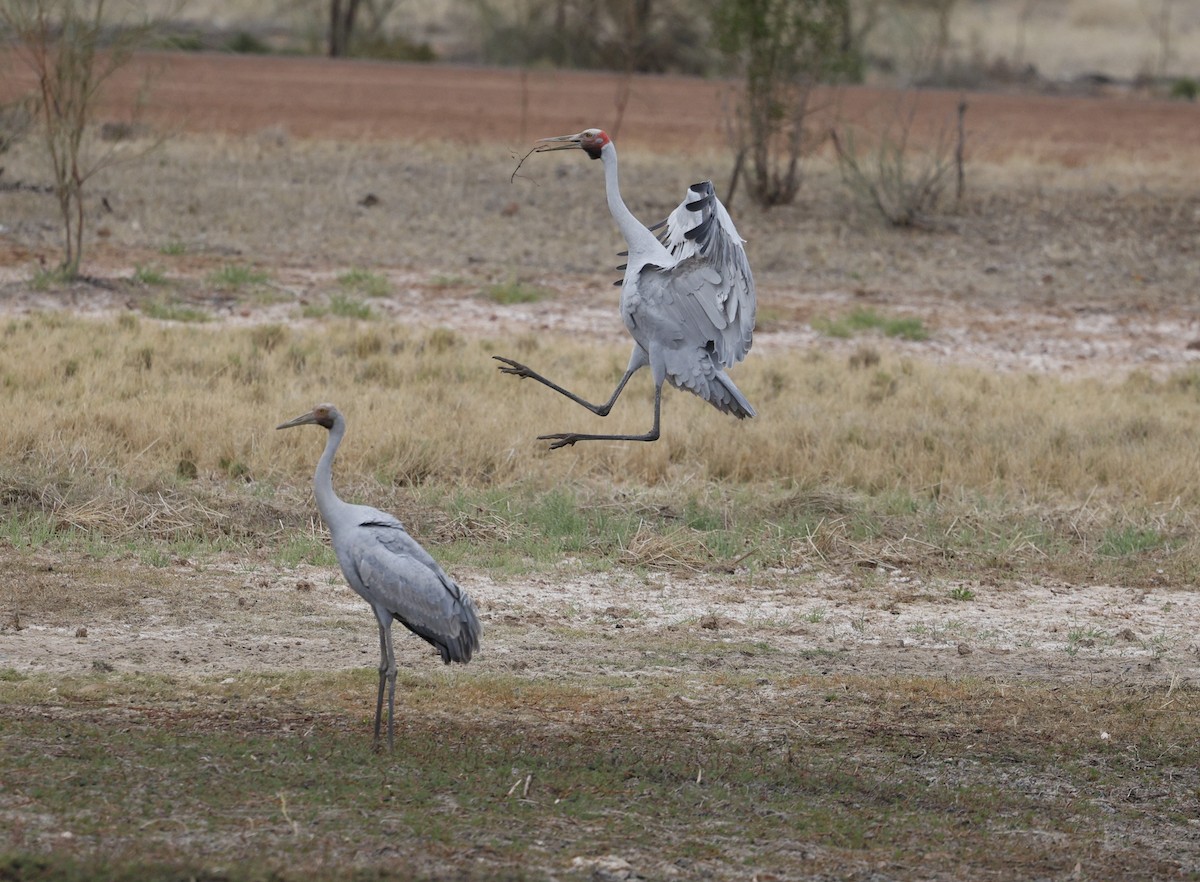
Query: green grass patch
x,y
149,275
1130,540
246,43
235,276
173,312
305,548
508,293
46,279
341,306
862,321
452,281
367,283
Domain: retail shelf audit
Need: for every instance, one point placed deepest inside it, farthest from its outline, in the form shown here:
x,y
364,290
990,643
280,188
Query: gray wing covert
x,y
712,265
402,577
694,354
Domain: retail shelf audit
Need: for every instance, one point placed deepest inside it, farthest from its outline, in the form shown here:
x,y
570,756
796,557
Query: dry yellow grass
x,y
139,403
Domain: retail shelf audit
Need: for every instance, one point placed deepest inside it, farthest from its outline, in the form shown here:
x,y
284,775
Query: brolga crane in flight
x,y
687,298
390,571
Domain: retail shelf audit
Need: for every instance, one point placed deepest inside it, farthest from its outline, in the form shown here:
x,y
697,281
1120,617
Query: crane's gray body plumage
x,y
687,298
698,312
390,571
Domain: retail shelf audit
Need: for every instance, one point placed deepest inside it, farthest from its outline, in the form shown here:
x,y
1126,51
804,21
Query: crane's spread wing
x,y
711,266
695,338
405,580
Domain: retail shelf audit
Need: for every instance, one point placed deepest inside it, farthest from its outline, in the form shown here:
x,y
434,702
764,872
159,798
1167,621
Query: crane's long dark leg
x,y
567,438
636,362
383,668
391,679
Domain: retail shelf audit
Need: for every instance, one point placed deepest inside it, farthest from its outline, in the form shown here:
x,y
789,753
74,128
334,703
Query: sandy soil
x,y
229,617
233,616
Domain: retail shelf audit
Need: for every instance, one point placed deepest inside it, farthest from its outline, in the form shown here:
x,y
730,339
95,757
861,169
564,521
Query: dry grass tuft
x,y
679,550
181,405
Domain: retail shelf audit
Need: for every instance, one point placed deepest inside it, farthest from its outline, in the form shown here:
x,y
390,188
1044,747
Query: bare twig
x,y
959,150
532,151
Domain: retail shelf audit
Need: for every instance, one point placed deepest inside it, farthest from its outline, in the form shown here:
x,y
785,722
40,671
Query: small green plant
x,y
863,320
515,292
1185,88
174,248
961,592
349,307
1130,540
245,43
173,312
341,306
447,282
368,283
149,275
305,548
234,468
233,276
45,279
393,48
183,43
1084,638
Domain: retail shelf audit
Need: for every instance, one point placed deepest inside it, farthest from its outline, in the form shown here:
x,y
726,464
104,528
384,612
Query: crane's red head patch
x,y
592,141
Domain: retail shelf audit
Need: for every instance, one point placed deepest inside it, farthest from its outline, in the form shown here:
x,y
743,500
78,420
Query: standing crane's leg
x,y
383,668
391,678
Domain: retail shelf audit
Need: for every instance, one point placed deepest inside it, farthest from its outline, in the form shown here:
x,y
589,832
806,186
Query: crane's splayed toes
x,y
515,368
560,440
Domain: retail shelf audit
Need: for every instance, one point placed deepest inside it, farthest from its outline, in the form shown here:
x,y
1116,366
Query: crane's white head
x,y
323,415
590,141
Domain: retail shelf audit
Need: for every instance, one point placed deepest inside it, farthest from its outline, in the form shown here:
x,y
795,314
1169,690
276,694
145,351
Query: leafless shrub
x,y
783,49
906,185
72,48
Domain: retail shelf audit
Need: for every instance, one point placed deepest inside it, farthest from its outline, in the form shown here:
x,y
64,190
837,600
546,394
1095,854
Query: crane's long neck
x,y
642,243
328,503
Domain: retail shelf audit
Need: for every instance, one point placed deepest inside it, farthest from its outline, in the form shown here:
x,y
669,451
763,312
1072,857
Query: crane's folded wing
x,y
403,578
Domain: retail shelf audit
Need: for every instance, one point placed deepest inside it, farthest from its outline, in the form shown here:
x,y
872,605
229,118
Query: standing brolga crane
x,y
390,571
687,298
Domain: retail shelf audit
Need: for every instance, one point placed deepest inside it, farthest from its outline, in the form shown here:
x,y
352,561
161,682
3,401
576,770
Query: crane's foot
x,y
562,439
568,439
516,368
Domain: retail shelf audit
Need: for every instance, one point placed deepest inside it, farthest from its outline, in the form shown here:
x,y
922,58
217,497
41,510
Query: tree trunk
x,y
341,26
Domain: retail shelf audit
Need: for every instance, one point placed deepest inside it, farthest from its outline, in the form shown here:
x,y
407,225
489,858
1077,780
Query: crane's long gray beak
x,y
562,142
305,419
